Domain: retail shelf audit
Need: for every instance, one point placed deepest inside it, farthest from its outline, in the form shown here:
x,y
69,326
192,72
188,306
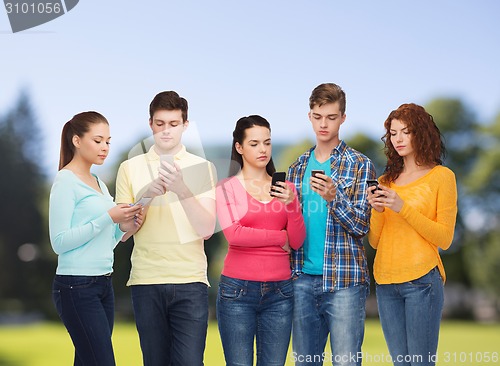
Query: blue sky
x,y
235,58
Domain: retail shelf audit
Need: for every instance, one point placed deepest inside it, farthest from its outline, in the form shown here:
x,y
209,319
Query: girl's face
x,y
93,146
256,148
401,138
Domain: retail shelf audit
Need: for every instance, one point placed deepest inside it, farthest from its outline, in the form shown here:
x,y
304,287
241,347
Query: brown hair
x,y
78,125
328,93
426,140
170,101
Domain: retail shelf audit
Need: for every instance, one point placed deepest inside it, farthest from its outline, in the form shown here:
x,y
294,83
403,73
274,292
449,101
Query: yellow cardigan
x,y
407,242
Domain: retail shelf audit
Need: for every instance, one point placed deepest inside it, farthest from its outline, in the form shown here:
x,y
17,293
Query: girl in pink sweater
x,y
255,297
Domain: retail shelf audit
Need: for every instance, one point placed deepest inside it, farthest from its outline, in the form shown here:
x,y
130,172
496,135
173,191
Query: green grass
x,y
48,344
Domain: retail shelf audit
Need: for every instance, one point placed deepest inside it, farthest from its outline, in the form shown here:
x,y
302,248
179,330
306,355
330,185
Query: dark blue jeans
x,y
85,304
172,321
260,311
410,314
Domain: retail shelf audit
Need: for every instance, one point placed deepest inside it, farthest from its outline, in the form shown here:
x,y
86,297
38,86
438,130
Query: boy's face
x,y
326,121
168,127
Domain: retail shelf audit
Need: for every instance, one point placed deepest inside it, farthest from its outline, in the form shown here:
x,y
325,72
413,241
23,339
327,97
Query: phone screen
x,y
372,183
316,172
277,177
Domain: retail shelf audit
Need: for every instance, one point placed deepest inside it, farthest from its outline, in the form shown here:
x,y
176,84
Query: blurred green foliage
x,y
27,263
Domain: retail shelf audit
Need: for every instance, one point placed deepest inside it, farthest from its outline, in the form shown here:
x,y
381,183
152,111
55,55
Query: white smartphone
x,y
144,201
167,158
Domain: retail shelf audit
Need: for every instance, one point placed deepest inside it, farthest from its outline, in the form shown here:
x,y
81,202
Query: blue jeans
x,y
85,304
248,310
316,313
172,321
410,314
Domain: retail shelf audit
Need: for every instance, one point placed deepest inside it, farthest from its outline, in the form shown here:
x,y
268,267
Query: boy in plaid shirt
x,y
330,270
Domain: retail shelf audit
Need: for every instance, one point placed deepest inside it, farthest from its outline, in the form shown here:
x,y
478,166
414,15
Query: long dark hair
x,y
242,125
78,125
426,140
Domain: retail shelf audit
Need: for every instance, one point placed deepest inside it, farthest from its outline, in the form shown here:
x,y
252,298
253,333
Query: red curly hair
x,y
426,140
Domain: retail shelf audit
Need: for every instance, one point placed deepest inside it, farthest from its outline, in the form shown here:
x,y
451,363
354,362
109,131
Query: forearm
x,y
243,236
352,210
295,226
127,236
354,219
439,233
66,239
200,213
377,220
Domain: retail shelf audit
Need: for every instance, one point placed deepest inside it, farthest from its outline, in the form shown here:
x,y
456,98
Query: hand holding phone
x,y
314,173
373,183
168,159
323,185
144,201
277,177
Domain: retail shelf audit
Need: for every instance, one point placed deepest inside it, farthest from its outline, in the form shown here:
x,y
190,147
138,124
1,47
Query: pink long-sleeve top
x,y
256,231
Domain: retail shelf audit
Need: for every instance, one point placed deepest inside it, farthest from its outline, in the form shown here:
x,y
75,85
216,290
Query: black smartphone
x,y
277,177
372,183
316,172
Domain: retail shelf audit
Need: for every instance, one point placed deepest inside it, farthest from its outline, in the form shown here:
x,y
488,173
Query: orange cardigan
x,y
407,242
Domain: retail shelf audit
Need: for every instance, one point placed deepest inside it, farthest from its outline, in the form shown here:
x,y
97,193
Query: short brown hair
x,y
170,101
327,93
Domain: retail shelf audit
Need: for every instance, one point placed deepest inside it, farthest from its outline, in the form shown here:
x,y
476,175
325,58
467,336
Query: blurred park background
x,y
472,263
231,59
27,263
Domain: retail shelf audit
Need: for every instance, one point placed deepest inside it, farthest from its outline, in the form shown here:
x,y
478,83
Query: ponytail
x,y
67,147
78,125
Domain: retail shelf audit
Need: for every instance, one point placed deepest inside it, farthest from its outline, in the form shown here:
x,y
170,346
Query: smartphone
x,y
372,183
167,158
316,172
144,201
277,177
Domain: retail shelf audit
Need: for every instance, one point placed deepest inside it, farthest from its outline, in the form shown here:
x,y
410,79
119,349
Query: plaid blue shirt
x,y
348,219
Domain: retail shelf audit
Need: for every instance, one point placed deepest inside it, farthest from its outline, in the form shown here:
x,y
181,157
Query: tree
x,y
22,226
482,252
459,127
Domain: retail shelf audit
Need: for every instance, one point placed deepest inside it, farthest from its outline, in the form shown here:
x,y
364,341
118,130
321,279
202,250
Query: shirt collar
x,y
340,148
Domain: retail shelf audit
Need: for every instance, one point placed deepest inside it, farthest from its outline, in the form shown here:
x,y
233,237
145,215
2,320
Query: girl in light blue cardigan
x,y
85,225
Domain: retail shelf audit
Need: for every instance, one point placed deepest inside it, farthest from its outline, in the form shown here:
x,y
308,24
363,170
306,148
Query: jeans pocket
x,y
229,292
424,281
286,290
56,298
73,282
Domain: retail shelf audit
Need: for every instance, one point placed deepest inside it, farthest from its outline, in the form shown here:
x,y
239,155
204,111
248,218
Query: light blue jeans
x,y
316,313
249,311
410,314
